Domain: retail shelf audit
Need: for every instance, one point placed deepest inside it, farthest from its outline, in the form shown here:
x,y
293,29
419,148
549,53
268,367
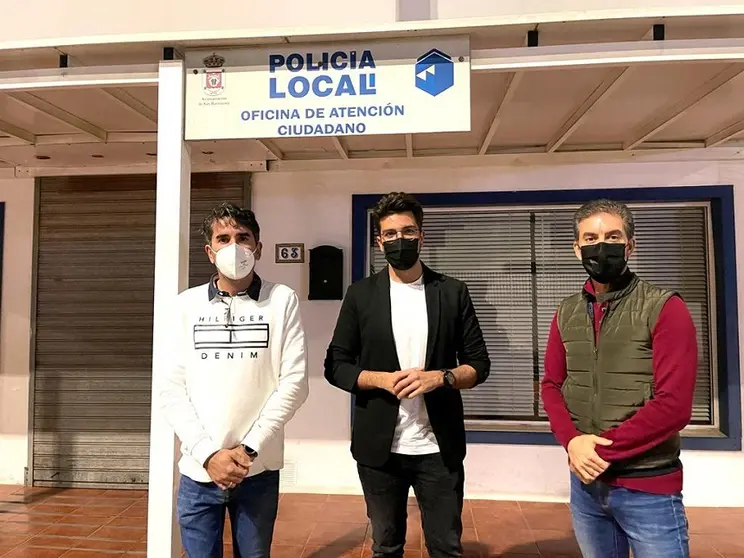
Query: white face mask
x,y
235,261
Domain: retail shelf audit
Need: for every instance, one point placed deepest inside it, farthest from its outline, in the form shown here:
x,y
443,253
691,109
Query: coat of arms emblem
x,y
214,75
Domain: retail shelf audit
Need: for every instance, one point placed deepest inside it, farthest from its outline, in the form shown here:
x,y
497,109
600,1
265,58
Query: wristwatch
x,y
250,451
449,378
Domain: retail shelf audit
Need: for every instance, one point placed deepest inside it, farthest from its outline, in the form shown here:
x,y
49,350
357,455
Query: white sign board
x,y
401,87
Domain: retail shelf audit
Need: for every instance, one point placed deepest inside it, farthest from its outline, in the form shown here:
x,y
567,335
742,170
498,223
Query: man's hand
x,y
415,382
583,459
228,467
388,380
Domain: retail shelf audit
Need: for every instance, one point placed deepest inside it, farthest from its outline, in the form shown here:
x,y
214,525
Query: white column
x,y
171,277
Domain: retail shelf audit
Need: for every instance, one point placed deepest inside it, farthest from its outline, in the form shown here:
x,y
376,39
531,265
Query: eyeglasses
x,y
407,233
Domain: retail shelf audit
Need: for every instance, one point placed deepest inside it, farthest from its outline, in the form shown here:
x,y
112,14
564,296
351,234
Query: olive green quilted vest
x,y
610,379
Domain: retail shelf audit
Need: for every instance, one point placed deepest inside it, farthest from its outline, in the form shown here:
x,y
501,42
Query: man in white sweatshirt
x,y
238,375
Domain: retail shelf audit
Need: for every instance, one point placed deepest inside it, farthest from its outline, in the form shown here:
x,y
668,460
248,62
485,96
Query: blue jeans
x,y
610,521
252,506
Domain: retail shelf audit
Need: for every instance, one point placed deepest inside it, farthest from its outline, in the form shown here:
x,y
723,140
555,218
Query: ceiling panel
x,y
98,108
708,116
486,91
29,119
647,92
147,95
543,102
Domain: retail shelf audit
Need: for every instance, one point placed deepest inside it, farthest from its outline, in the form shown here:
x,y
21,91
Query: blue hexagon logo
x,y
435,72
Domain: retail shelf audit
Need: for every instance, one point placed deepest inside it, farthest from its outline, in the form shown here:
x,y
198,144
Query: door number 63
x,y
290,253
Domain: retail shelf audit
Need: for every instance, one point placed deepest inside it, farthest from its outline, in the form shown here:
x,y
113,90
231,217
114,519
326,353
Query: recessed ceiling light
x,y
207,152
97,156
43,157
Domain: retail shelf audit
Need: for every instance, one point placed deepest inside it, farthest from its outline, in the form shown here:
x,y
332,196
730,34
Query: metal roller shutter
x,y
93,343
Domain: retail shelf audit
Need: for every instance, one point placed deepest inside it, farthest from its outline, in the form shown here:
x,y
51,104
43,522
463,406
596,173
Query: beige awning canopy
x,y
603,86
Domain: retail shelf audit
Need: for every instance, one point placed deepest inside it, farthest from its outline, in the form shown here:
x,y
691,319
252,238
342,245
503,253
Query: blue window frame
x,y
721,200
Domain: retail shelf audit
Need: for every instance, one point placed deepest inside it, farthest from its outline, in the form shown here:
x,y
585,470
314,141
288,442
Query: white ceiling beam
x,y
512,84
74,139
271,148
132,103
612,81
724,135
45,107
606,54
23,136
517,160
340,149
511,88
137,168
82,77
676,111
409,146
425,160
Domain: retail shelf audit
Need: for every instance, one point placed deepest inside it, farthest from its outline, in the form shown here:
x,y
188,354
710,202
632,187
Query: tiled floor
x,y
47,523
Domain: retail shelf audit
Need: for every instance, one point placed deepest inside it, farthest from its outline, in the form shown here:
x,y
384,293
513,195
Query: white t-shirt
x,y
413,433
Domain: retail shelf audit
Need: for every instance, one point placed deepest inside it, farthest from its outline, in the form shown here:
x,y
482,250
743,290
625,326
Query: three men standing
x,y
620,371
238,375
406,341
619,379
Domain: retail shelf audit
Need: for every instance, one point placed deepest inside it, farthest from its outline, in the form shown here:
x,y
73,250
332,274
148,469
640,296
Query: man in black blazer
x,y
406,341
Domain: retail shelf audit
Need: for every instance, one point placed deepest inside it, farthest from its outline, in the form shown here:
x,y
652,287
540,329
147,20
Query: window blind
x,y
519,264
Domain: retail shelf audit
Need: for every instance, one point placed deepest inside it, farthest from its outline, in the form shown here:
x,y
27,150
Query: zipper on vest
x,y
596,331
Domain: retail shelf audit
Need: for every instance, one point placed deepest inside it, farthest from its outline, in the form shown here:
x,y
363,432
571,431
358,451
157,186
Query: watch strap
x,y
449,378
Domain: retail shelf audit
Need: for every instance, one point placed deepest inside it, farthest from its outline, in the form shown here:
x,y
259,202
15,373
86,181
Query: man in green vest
x,y
619,379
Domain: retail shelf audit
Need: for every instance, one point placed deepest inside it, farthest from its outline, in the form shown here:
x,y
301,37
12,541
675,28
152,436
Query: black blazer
x,y
363,340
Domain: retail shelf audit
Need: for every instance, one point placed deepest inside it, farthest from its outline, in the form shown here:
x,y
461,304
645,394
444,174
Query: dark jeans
x,y
252,506
439,494
609,522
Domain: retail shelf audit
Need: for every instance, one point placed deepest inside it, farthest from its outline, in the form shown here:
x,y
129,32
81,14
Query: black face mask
x,y
604,262
402,253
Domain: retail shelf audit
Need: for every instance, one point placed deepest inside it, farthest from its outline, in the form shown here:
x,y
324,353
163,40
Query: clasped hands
x,y
583,459
410,383
229,467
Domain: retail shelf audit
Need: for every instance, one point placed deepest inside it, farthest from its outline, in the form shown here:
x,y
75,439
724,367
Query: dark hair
x,y
397,202
230,213
595,207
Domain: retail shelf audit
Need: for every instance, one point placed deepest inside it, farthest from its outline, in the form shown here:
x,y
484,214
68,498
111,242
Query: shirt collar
x,y
624,284
253,290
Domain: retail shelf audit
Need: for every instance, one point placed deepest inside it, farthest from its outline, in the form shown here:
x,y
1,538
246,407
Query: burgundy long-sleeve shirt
x,y
674,358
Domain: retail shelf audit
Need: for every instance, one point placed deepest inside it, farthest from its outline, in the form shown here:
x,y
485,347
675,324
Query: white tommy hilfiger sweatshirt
x,y
238,373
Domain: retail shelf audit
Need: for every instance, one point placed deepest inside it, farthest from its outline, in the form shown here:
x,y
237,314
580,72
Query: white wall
x,y
314,208
51,24
487,8
15,327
